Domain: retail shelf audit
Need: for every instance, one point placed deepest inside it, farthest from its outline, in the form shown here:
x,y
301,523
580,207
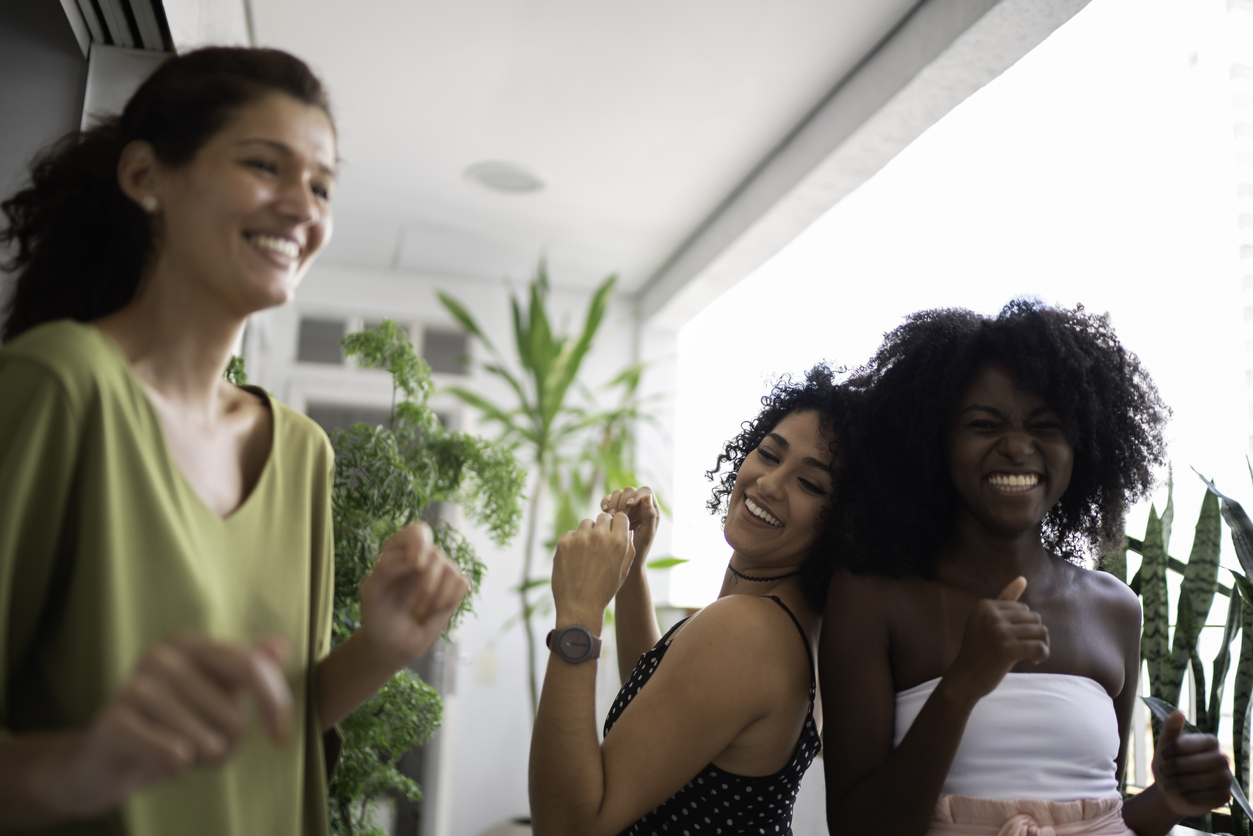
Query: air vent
x,y
134,24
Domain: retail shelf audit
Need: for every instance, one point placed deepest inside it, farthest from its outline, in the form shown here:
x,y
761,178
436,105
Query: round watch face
x,y
575,644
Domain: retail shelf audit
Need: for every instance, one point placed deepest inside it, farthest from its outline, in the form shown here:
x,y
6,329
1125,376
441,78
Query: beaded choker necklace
x,y
745,577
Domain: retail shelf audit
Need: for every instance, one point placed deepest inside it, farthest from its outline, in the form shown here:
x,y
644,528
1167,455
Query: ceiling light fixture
x,y
503,176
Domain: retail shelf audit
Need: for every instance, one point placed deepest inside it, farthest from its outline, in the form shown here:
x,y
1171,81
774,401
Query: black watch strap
x,y
574,644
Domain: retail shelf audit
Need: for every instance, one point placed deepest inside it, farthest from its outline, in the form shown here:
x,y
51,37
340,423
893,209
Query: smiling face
x,y
1007,454
781,490
246,217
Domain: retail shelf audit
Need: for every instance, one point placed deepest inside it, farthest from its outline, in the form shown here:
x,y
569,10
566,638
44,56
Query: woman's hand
x,y
590,564
1189,769
640,506
409,598
999,633
182,707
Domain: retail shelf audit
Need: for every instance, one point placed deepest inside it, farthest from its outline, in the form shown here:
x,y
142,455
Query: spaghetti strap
x,y
666,638
804,638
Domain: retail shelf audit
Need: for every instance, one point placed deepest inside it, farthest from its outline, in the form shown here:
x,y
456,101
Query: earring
x,y
149,204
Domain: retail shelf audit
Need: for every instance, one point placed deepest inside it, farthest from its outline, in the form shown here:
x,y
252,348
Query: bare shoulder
x,y
746,622
742,639
1094,588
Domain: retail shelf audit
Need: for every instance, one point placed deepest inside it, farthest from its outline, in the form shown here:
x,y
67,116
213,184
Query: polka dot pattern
x,y
717,801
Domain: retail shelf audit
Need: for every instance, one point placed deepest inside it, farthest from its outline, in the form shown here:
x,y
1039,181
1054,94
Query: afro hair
x,y
902,510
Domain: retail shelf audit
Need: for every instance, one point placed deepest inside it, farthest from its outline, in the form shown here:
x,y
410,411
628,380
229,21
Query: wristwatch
x,y
574,644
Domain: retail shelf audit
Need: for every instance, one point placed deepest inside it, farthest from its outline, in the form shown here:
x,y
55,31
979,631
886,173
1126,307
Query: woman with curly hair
x,y
165,536
977,678
715,723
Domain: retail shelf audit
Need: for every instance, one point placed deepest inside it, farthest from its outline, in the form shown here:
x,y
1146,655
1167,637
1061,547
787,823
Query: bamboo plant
x,y
574,446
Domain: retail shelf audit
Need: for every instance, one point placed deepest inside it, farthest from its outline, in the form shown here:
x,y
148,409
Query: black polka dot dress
x,y
716,801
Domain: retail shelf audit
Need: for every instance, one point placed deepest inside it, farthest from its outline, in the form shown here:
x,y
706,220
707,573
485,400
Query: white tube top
x,y
1044,736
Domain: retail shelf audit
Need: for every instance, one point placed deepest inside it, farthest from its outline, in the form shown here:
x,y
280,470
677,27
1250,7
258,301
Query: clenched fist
x,y
999,633
590,564
411,595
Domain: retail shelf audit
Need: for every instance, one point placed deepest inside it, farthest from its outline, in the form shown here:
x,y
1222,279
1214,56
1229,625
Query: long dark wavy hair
x,y
821,394
904,509
79,244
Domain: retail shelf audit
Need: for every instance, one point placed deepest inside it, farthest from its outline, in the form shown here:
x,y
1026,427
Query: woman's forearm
x,y
876,804
567,774
634,619
348,676
1148,814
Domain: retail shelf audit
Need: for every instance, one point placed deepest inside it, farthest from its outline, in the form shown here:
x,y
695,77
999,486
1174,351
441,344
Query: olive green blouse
x,y
106,550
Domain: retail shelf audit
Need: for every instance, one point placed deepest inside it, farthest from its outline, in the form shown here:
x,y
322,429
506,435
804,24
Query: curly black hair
x,y
819,393
903,509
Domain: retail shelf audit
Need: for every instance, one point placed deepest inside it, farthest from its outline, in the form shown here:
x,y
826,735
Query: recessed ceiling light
x,y
505,177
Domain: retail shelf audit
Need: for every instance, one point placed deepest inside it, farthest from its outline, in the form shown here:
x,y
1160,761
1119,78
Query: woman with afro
x,y
715,723
976,678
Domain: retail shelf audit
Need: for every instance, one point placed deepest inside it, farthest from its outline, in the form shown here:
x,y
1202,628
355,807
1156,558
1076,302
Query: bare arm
x,y
720,674
635,620
406,603
864,774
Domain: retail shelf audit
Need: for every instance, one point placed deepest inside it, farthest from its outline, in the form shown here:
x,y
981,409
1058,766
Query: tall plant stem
x,y
524,587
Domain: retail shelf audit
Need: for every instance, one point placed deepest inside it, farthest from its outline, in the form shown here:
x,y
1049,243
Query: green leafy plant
x,y
575,448
385,477
1167,664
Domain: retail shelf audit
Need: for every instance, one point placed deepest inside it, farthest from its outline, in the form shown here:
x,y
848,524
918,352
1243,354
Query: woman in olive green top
x,y
165,537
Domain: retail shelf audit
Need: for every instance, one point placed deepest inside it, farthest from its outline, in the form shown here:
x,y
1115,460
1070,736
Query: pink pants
x,y
960,815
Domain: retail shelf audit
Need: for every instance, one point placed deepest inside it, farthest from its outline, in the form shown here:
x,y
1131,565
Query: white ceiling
x,y
643,116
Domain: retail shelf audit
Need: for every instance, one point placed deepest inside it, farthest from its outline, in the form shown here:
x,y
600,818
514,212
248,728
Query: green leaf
x,y
574,360
235,371
665,562
1156,615
464,317
1200,580
489,409
1243,689
1222,662
1161,710
628,377
1239,523
533,583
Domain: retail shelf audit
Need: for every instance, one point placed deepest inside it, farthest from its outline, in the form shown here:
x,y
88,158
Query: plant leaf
x,y
1238,521
665,562
1200,579
1222,662
489,409
464,317
1154,645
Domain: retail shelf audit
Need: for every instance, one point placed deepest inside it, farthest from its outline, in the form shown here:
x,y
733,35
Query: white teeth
x,y
757,511
282,246
1014,482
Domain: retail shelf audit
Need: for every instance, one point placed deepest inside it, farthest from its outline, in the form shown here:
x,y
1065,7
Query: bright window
x,y
1103,169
